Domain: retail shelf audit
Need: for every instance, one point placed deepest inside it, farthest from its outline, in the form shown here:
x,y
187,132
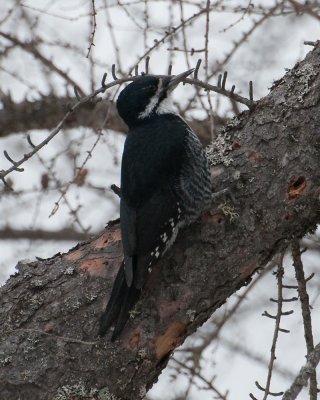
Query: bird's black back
x,y
152,158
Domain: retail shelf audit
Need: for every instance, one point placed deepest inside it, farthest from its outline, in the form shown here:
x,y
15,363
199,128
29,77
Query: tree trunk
x,y
49,311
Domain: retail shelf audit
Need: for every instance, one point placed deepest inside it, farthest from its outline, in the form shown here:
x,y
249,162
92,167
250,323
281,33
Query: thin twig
x,y
94,26
172,31
116,189
280,273
246,10
305,308
63,193
146,25
171,37
73,210
304,9
30,48
304,375
244,38
277,329
206,67
184,35
220,90
56,130
113,36
204,380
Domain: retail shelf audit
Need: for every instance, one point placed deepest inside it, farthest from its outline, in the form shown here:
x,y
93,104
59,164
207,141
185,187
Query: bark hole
x,y
297,187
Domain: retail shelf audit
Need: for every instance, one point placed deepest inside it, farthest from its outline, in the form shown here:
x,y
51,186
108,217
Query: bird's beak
x,y
176,79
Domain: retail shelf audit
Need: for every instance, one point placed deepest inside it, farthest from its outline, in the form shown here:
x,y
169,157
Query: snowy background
x,y
240,354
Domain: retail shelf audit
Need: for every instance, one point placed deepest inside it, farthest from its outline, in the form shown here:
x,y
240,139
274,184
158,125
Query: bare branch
x,y
94,26
304,375
244,38
280,313
30,48
102,89
209,383
223,91
306,315
116,190
53,133
64,234
304,9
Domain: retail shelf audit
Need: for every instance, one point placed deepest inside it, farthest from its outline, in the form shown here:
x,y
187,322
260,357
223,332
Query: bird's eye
x,y
151,88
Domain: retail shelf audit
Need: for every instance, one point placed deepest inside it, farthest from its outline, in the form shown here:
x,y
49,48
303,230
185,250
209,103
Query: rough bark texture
x,y
49,310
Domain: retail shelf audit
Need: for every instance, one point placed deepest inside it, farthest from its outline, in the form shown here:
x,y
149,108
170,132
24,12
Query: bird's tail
x,y
121,301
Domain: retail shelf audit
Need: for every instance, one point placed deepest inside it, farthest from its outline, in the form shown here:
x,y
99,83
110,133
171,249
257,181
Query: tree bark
x,y
49,311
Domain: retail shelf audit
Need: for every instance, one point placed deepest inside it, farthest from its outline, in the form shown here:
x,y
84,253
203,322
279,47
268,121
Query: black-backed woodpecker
x,y
165,184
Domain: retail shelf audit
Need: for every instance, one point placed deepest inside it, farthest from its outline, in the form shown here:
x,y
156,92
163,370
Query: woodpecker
x,y
165,184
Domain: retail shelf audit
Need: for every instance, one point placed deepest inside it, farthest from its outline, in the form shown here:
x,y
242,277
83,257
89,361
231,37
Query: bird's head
x,y
147,96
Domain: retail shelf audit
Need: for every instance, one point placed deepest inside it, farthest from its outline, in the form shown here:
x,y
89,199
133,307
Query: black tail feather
x,y
114,304
122,299
131,297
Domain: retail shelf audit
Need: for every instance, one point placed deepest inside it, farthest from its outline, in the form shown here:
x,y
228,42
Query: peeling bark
x,y
49,310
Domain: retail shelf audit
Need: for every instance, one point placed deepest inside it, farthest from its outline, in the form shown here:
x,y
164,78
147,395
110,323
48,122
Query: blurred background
x,y
47,48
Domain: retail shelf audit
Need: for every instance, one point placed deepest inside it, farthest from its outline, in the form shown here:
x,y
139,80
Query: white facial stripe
x,y
153,102
164,107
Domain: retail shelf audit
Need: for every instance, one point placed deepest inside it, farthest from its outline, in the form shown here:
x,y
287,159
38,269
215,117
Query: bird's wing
x,y
128,217
156,226
147,232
